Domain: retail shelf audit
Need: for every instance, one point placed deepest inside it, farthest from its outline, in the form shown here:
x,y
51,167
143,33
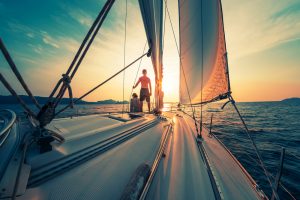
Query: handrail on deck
x,y
9,119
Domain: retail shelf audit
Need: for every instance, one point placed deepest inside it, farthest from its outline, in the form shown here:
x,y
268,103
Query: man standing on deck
x,y
144,93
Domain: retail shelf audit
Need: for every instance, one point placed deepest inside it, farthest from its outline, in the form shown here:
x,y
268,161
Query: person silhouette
x,y
135,103
144,92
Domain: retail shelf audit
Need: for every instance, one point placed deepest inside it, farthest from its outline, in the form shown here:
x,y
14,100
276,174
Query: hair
x,y
144,71
134,95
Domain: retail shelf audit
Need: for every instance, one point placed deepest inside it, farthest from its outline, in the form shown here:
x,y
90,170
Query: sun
x,y
170,88
167,87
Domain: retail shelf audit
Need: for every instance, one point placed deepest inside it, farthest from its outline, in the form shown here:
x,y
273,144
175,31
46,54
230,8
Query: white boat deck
x,y
81,132
232,180
80,127
105,176
181,174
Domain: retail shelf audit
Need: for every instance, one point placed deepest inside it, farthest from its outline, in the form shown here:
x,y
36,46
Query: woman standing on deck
x,y
145,86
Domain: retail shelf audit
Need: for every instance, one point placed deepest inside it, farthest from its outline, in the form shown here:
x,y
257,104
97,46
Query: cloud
x,y
38,49
14,26
47,39
30,35
105,57
79,15
254,26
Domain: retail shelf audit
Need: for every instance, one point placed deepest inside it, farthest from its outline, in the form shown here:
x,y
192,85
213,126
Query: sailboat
x,y
163,155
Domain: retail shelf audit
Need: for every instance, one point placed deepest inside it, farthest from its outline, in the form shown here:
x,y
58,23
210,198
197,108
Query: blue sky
x,y
263,41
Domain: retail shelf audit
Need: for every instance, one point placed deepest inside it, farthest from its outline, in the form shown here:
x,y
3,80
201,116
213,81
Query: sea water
x,y
273,125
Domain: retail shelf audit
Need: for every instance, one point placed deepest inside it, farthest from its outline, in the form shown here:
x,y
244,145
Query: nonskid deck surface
x,y
77,138
77,127
106,175
182,173
232,180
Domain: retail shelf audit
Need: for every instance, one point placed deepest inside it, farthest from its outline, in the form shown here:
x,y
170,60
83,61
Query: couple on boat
x,y
136,104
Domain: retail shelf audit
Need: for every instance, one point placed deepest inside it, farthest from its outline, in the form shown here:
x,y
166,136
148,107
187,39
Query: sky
x,y
263,43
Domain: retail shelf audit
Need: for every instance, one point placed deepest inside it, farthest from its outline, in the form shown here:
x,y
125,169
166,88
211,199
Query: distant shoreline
x,y
43,100
64,101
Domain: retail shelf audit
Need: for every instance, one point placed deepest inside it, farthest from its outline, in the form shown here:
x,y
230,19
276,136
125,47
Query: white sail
x,y
152,14
202,52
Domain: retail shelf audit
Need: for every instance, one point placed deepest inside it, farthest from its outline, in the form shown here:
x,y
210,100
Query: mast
x,y
152,14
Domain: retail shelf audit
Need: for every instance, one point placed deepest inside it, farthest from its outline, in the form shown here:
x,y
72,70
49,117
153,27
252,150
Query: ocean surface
x,y
273,125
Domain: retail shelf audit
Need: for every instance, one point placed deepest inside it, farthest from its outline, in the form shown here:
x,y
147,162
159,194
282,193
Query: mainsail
x,y
203,59
152,14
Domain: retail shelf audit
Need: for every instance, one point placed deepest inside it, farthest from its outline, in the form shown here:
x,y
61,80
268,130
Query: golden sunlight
x,y
170,88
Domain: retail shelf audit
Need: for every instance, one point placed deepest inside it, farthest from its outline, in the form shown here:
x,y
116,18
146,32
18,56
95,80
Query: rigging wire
x,y
17,73
163,49
88,39
202,66
181,67
255,148
253,143
13,93
124,59
79,51
137,72
256,161
102,83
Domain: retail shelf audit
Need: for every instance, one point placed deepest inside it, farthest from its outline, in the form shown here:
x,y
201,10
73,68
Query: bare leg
x,y
148,106
141,104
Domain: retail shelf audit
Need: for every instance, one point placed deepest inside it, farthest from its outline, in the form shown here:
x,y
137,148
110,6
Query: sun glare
x,y
170,87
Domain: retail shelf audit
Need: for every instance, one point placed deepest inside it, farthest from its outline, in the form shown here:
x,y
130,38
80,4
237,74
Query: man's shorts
x,y
144,94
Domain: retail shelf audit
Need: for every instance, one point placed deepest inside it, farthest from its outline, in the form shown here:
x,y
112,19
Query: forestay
x,y
203,56
152,14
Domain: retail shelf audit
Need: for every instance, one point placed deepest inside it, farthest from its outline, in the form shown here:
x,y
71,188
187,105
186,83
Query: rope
x,y
99,85
13,93
93,30
255,148
181,67
137,72
47,113
79,50
107,8
66,80
124,56
17,73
